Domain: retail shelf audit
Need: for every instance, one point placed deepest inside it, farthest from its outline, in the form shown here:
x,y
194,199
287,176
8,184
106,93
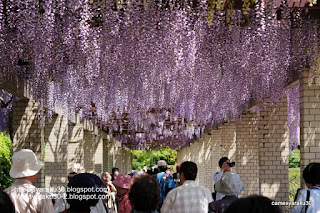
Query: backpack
x,y
169,184
166,184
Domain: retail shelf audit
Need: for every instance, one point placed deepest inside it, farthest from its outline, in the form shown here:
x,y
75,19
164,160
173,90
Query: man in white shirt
x,y
217,176
189,197
25,197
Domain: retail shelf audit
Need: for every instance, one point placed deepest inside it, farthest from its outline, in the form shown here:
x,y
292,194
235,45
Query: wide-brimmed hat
x,y
25,164
122,181
229,184
162,163
74,169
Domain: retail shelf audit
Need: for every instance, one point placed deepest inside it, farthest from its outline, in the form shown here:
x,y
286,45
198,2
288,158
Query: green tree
x,y
5,161
294,158
151,157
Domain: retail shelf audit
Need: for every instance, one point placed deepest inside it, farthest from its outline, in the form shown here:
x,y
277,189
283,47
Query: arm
x,y
217,176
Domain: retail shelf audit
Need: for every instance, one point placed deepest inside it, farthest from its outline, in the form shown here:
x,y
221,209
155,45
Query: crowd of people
x,y
151,190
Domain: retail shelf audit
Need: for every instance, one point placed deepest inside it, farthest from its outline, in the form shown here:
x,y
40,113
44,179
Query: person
x,y
253,204
311,176
217,176
230,185
144,194
79,188
122,184
176,175
6,204
61,204
165,180
24,195
115,173
189,197
110,203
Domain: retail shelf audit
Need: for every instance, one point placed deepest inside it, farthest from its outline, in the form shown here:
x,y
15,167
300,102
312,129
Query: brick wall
x,y
65,144
259,148
247,153
309,122
56,155
274,151
27,132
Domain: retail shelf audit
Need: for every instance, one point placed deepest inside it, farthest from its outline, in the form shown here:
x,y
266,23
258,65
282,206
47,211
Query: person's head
x,y
222,160
106,178
229,184
162,165
311,174
75,169
253,204
6,204
122,183
84,184
25,165
115,171
144,194
188,171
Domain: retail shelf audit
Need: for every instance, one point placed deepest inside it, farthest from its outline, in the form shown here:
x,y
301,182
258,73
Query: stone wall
x,y
274,151
258,145
247,153
309,122
65,143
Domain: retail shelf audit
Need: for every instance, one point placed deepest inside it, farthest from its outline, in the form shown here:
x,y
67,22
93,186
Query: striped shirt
x,y
186,198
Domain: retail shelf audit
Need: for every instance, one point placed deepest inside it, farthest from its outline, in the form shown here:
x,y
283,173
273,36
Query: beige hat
x,y
75,169
162,163
229,184
25,164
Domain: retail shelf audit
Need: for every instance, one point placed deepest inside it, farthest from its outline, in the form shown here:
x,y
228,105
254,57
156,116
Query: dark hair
x,y
6,204
114,170
222,160
162,168
253,204
83,180
144,194
311,174
189,169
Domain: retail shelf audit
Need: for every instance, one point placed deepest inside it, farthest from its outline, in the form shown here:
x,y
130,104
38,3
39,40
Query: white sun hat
x,y
162,163
75,169
25,164
229,184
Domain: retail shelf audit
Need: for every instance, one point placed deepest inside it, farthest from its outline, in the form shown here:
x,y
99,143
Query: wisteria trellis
x,y
77,52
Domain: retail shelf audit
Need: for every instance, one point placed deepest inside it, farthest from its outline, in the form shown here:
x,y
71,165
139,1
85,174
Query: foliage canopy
x,y
5,161
149,158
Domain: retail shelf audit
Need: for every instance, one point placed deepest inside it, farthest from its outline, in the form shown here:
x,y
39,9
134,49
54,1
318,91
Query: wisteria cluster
x,y
294,116
134,58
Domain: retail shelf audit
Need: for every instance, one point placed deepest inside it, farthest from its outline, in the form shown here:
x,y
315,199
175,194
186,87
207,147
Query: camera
x,y
231,164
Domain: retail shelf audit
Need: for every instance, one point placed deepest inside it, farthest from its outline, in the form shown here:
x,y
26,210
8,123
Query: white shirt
x,y
61,204
314,200
216,177
27,198
186,198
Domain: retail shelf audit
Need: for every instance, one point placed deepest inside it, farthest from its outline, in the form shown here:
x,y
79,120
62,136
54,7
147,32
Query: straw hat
x,y
122,181
25,164
229,184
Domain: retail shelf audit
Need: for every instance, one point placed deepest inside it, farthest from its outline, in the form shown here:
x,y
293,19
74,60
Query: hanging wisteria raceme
x,y
293,116
141,57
